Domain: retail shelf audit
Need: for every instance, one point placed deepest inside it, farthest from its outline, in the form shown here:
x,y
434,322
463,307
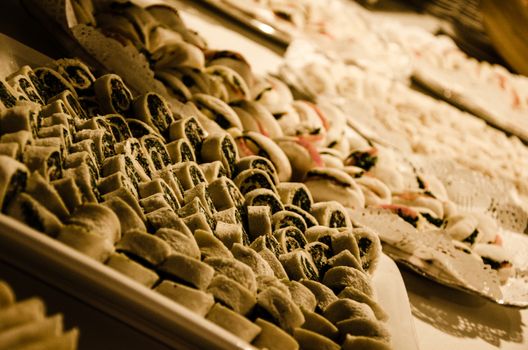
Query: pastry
x,y
357,295
264,197
132,269
154,110
210,246
290,238
213,170
52,83
112,94
273,338
259,221
220,148
257,162
369,248
364,327
296,194
180,242
187,270
311,341
344,309
188,173
318,324
298,265
324,295
13,180
301,295
97,218
232,294
320,254
147,248
235,270
233,322
330,184
180,151
331,214
197,301
281,308
251,179
28,210
86,241
285,218
339,277
225,194
364,343
255,117
230,234
251,258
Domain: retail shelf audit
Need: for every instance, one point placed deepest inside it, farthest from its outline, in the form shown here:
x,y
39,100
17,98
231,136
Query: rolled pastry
x,y
232,294
233,322
281,308
324,295
229,216
320,234
234,269
189,174
76,72
302,154
201,192
251,179
273,262
60,131
330,184
309,220
180,151
29,334
259,221
132,269
210,246
145,247
251,143
103,142
70,194
47,195
286,218
97,218
7,296
365,327
173,182
196,206
13,180
257,162
199,221
230,234
344,258
313,341
188,128
298,265
75,159
154,110
369,248
71,103
195,300
375,191
21,138
301,295
235,85
23,116
269,242
217,110
264,197
290,238
331,214
52,83
156,150
220,147
296,194
225,194
176,54
363,343
165,218
180,242
8,95
251,258
273,338
140,129
188,270
23,85
128,218
344,309
86,241
25,208
363,159
175,86
158,185
117,181
154,202
355,294
118,126
320,254
213,170
255,117
318,324
340,277
112,94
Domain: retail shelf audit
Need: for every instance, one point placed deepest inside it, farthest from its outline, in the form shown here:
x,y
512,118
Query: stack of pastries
x,y
163,195
25,326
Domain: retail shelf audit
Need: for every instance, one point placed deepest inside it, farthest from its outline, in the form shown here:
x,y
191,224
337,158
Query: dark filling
x,y
236,196
75,105
188,81
25,85
132,173
291,244
118,136
142,161
229,151
36,83
31,216
435,221
93,188
472,237
302,200
272,244
186,152
309,270
320,253
326,239
118,123
492,263
221,120
364,245
7,98
158,112
108,144
364,160
260,94
265,166
309,221
90,106
120,96
78,76
17,184
54,166
337,219
138,129
209,201
53,84
169,198
284,15
271,201
290,220
298,236
194,134
413,220
421,183
196,175
158,153
253,182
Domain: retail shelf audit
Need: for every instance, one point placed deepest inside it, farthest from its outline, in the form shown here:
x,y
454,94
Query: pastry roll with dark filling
x,y
180,151
225,194
331,214
259,221
165,218
118,126
213,170
264,197
364,327
13,180
140,129
126,165
28,210
220,147
128,267
299,265
128,218
232,294
59,131
324,295
46,160
235,270
369,248
76,159
42,191
156,150
174,183
210,246
52,83
194,207
311,341
236,87
255,117
296,194
180,242
344,240
217,110
112,94
251,179
135,150
116,182
76,72
175,86
343,309
190,271
99,219
309,220
154,110
340,277
200,221
189,174
301,295
290,238
251,258
193,299
71,103
233,323
344,258
201,192
330,184
280,308
86,181
144,247
103,142
318,324
268,242
27,72
190,129
11,149
23,116
257,162
355,294
286,218
273,338
230,234
251,143
86,145
159,186
23,85
320,254
176,55
86,241
69,191
154,202
8,95
21,138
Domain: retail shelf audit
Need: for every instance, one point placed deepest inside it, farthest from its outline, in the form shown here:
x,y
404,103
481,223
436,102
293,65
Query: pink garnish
x,y
306,142
498,240
410,196
399,209
243,147
262,129
320,114
516,103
